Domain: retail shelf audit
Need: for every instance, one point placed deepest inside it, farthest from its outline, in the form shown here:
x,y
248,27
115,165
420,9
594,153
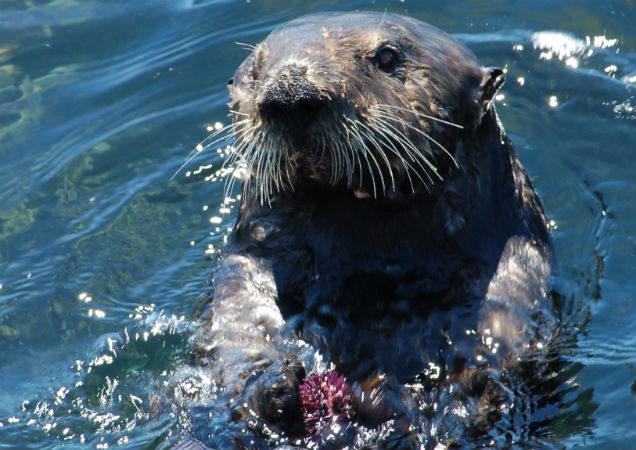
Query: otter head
x,y
367,102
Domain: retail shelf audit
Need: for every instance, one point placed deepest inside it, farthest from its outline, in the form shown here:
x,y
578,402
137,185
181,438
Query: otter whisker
x,y
223,129
374,142
210,144
414,157
388,136
201,147
380,24
342,160
385,136
229,185
338,168
374,159
351,155
288,171
280,184
413,152
289,168
365,152
245,135
344,150
426,116
407,140
426,135
238,113
353,144
264,168
241,127
245,154
352,148
334,158
272,173
242,135
324,149
249,47
190,157
325,152
249,155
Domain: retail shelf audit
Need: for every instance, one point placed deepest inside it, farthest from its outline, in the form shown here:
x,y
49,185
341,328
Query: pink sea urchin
x,y
326,398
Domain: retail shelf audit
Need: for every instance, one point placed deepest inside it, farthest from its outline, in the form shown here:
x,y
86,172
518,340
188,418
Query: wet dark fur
x,y
385,282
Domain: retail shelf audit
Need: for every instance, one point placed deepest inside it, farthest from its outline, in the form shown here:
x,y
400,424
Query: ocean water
x,y
105,252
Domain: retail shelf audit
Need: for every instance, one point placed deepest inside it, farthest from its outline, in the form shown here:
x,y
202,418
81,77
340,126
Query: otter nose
x,y
291,99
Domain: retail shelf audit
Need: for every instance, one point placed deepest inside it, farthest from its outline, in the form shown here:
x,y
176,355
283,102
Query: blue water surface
x,y
104,258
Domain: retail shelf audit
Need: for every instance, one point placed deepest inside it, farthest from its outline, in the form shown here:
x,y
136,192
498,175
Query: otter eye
x,y
387,59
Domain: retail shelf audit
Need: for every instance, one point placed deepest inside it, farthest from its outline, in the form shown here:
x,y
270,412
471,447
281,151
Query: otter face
x,y
372,103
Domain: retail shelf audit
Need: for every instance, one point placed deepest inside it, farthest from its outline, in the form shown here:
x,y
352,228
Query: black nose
x,y
291,100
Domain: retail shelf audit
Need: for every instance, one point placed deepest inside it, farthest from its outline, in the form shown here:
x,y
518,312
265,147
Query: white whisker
x,y
374,142
413,152
426,116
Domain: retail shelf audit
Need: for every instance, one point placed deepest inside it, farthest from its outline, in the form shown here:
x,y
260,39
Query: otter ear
x,y
492,79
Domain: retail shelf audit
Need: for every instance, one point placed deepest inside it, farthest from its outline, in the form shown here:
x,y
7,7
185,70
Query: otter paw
x,y
275,397
380,398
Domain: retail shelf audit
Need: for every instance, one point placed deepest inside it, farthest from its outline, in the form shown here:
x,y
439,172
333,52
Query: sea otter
x,y
386,228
